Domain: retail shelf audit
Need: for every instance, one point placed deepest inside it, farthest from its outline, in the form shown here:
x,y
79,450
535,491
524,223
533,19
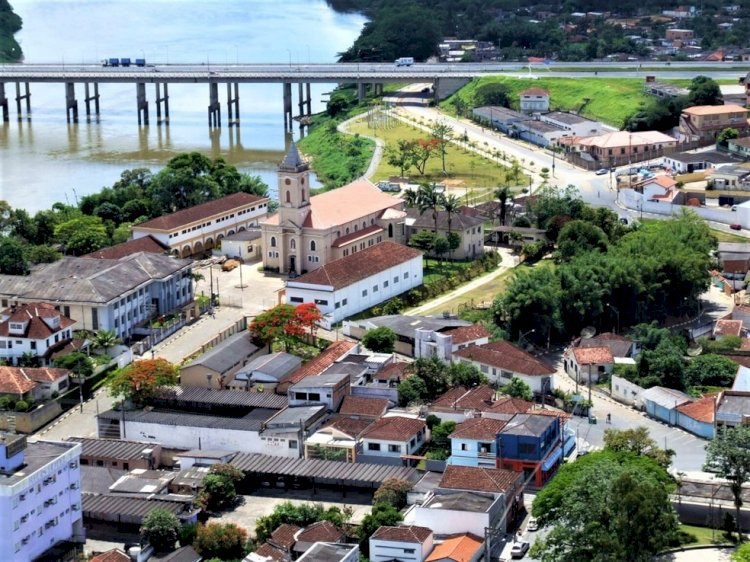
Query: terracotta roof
x,y
114,555
395,428
623,138
460,548
320,363
728,328
267,550
352,427
464,334
553,412
391,214
714,109
45,374
320,531
485,429
535,92
393,371
478,479
283,536
14,381
358,266
508,405
701,410
593,355
410,533
506,356
360,234
33,314
460,398
142,244
363,406
199,212
663,181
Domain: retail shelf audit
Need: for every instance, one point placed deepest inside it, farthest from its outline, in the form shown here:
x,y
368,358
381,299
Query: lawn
x,y
704,535
610,100
434,270
485,293
474,170
722,236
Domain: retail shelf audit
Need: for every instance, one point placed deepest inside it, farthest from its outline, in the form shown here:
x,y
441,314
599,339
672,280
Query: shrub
x,y
22,406
160,529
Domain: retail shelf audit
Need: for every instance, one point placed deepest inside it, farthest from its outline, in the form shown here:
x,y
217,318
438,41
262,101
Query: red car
x,y
735,226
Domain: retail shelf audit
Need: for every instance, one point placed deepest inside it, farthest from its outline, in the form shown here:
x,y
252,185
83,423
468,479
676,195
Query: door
x,y
292,264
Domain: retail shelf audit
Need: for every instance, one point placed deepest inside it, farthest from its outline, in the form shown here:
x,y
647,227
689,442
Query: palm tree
x,y
410,197
105,339
502,194
451,205
429,198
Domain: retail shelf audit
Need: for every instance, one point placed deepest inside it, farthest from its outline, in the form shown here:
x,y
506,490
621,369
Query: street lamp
x,y
522,336
617,312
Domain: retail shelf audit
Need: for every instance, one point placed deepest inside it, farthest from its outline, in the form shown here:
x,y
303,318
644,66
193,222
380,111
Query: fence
x,y
625,159
238,326
634,201
155,335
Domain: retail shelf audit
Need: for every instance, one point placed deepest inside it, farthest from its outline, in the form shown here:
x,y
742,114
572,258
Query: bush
x,y
188,533
22,406
7,403
160,529
221,540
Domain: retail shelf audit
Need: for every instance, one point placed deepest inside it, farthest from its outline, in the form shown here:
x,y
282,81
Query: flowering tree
x,y
285,322
308,315
140,380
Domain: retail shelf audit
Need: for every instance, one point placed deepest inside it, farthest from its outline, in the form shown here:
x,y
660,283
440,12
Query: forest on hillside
x,y
10,23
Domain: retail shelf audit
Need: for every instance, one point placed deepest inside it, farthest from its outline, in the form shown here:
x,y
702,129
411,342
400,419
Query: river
x,y
48,160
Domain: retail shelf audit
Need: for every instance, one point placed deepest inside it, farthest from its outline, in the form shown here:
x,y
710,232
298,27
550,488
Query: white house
x,y
534,100
500,361
574,124
328,389
452,512
36,328
38,383
359,281
331,552
392,437
40,496
582,363
406,543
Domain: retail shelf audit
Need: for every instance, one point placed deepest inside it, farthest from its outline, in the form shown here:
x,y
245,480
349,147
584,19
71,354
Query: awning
x,y
552,459
569,444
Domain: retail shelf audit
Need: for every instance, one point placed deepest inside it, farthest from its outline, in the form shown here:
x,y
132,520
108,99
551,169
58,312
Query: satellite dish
x,y
694,349
588,332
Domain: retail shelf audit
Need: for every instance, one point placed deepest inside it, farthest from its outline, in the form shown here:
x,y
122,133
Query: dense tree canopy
x,y
160,529
300,515
140,380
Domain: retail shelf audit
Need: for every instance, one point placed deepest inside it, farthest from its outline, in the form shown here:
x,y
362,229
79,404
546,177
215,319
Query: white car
x,y
519,549
533,525
601,171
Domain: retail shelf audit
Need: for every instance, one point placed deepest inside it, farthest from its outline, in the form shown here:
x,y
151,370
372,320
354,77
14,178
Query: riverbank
x,y
10,24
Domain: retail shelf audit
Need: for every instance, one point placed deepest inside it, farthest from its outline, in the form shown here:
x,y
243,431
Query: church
x,y
309,232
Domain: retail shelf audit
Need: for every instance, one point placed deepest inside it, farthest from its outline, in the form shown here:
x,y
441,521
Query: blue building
x,y
661,403
532,444
474,443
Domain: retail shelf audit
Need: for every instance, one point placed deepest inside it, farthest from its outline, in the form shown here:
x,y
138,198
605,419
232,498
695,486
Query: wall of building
x,y
701,429
385,551
625,391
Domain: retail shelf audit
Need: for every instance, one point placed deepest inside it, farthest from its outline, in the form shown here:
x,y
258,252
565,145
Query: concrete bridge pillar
x,y
361,91
214,107
162,99
4,103
89,98
20,97
233,104
309,100
300,99
378,89
142,103
71,103
287,88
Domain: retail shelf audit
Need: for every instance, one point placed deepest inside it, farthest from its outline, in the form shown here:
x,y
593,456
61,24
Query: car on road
x,y
519,549
601,171
735,226
533,524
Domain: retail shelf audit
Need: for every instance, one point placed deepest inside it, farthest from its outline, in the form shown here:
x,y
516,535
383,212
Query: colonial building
x,y
35,328
704,122
308,232
200,228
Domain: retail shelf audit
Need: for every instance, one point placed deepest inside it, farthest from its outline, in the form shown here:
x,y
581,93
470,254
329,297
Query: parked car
x,y
229,265
519,549
735,226
533,524
602,171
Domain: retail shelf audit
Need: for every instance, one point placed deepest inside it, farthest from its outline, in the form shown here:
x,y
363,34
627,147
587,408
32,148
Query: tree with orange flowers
x,y
285,323
308,315
140,380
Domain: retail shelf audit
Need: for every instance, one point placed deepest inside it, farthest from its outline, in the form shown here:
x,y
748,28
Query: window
x,y
321,302
374,288
373,446
292,443
296,299
385,284
364,293
344,302
293,244
406,274
394,448
395,279
288,196
273,241
464,447
312,246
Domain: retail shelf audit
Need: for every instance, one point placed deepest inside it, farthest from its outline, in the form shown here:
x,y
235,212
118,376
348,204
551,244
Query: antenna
x,y
588,332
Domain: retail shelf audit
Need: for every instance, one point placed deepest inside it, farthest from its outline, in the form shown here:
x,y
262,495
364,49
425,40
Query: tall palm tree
x,y
430,198
410,197
451,205
105,339
502,194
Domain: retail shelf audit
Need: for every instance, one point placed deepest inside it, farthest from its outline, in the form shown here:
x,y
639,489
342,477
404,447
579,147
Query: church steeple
x,y
294,195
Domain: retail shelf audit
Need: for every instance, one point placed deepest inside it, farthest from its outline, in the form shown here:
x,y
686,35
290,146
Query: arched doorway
x,y
198,247
209,243
186,251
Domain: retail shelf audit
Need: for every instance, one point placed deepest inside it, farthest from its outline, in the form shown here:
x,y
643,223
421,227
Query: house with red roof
x,y
534,100
35,328
474,442
404,543
697,416
392,439
458,548
500,361
308,232
340,439
37,383
351,284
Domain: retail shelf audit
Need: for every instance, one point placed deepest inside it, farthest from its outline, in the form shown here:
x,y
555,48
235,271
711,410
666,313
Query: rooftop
x,y
465,334
357,267
528,424
114,555
714,109
37,455
593,355
143,244
394,428
728,328
665,397
701,410
327,552
321,380
127,506
276,365
267,551
349,426
292,161
461,398
363,406
619,139
508,405
200,212
403,533
461,501
227,354
535,92
283,536
320,531
484,429
36,318
506,356
192,396
20,380
112,448
406,325
315,366
459,221
475,479
251,422
460,548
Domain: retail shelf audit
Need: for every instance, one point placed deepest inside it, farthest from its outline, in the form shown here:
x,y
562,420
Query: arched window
x,y
273,241
288,197
390,230
312,245
303,194
355,228
293,244
347,230
364,224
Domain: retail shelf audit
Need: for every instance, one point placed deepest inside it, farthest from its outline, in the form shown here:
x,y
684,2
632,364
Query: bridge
x,y
445,79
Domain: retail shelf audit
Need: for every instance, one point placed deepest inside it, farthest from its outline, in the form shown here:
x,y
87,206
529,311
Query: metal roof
x,y
406,325
195,395
665,397
324,379
227,354
126,506
251,422
111,448
361,474
275,365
